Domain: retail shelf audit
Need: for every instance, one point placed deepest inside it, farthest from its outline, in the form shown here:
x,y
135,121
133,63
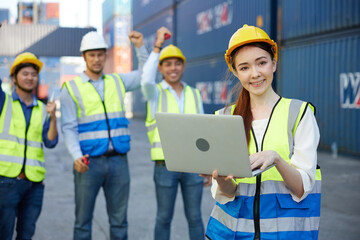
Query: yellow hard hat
x,y
248,34
171,52
25,57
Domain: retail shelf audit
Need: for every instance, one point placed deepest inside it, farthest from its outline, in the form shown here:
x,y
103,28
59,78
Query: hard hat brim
x,y
230,50
37,62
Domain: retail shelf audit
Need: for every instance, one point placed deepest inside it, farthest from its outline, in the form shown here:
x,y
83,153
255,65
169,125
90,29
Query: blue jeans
x,y
112,174
21,199
166,184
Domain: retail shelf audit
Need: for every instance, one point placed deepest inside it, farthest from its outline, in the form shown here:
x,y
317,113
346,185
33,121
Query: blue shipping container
x,y
116,31
149,31
113,8
145,9
308,17
4,15
211,77
150,28
327,73
204,28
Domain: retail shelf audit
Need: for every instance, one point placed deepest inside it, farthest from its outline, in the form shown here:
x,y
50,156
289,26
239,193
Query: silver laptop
x,y
201,143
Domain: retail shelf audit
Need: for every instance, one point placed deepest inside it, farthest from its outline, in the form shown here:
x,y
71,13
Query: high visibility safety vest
x,y
20,145
167,103
263,207
99,121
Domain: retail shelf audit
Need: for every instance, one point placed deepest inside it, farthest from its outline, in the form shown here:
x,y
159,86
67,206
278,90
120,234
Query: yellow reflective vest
x,y
20,145
167,103
263,207
100,121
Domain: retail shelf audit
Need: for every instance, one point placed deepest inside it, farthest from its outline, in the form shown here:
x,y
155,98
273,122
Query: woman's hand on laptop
x,y
263,159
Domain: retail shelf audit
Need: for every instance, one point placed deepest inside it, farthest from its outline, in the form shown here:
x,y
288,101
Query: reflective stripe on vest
x,y
167,103
100,120
14,140
279,217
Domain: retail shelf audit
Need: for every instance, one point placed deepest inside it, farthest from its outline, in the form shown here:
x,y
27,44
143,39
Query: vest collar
x,y
165,85
16,97
85,78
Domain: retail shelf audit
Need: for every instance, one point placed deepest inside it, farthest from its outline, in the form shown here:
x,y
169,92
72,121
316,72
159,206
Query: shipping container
x,y
114,8
150,28
204,27
212,78
4,15
301,18
118,60
116,31
52,10
326,72
42,40
144,10
149,31
60,42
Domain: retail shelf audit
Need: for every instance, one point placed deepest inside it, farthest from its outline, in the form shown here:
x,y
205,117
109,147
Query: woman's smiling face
x,y
255,68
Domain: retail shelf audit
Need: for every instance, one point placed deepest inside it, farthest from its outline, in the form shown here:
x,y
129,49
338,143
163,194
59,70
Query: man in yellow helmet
x,y
96,129
24,128
171,95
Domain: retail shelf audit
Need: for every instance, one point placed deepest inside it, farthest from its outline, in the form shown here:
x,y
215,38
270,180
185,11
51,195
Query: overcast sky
x,y
73,13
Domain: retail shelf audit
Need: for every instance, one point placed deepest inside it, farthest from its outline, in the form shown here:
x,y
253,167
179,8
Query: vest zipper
x,y
256,210
107,121
25,148
256,206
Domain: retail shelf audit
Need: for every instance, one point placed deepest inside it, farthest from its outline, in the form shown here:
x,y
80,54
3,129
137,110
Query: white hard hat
x,y
91,41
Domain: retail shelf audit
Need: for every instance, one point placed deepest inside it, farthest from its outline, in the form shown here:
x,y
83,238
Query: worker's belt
x,y
112,153
160,162
21,176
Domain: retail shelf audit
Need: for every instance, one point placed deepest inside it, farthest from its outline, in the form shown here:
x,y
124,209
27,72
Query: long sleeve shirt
x,y
69,122
27,110
304,159
151,91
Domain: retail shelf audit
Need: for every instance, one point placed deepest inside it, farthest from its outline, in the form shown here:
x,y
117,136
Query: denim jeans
x,y
166,184
112,174
21,199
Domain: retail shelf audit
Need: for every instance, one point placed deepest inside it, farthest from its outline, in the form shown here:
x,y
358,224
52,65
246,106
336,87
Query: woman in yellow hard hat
x,y
26,125
284,201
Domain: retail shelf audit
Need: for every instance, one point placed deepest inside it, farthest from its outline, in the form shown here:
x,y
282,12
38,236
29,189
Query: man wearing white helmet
x,y
97,136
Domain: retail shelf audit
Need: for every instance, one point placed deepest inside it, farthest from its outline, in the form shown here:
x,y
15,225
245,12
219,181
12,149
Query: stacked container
x,y
148,17
49,13
319,62
4,15
116,28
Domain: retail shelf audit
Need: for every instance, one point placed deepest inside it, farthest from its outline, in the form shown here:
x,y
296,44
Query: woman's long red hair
x,y
243,106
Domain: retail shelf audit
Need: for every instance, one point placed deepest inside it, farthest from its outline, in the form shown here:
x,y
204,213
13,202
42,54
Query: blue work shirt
x,y
27,110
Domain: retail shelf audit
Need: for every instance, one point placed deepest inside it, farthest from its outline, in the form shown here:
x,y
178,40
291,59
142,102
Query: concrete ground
x,y
340,213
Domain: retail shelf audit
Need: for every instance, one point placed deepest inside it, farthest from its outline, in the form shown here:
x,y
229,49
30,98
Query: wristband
x,y
158,47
